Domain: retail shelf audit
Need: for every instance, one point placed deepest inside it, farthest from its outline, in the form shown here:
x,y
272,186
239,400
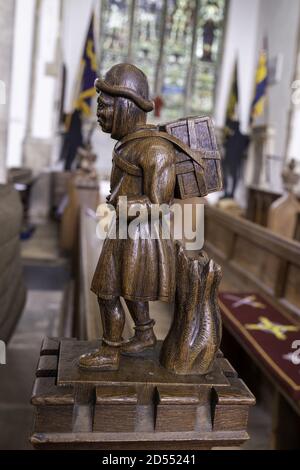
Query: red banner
x,y
273,336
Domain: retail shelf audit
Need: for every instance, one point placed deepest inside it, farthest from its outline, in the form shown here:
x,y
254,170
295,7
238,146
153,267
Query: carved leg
x,y
144,336
195,334
108,356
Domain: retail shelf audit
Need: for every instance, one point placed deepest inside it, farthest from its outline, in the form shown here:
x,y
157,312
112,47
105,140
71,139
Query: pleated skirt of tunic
x,y
138,268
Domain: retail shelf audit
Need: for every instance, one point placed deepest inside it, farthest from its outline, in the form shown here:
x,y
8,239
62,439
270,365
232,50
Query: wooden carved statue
x,y
151,165
195,334
143,393
283,212
290,177
85,161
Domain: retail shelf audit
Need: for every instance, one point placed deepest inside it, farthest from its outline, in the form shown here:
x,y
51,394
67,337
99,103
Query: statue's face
x,y
105,112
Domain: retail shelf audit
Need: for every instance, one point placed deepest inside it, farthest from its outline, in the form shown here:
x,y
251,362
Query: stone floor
x,y
46,274
43,245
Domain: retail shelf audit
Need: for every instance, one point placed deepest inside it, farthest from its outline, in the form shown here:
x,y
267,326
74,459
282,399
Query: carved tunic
x,y
139,268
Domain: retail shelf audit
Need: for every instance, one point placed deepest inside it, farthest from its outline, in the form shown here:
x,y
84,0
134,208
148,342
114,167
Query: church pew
x,y
255,257
255,260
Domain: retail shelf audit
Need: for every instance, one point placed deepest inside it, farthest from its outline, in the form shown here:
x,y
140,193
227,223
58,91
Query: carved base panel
x,y
141,406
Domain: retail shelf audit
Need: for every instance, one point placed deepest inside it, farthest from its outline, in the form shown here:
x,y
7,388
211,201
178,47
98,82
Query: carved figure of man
x,y
139,269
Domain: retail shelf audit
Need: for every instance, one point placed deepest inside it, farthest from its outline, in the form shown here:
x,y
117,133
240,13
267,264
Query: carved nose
x,y
97,85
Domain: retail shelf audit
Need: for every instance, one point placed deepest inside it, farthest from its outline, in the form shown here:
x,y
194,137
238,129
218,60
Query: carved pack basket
x,y
199,167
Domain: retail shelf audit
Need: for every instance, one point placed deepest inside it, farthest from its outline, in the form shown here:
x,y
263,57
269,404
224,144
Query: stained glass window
x,y
146,37
114,32
209,42
177,43
176,55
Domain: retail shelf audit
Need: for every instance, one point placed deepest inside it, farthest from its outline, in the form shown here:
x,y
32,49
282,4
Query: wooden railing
x,y
254,258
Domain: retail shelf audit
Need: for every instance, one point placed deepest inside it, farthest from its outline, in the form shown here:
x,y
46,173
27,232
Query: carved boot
x,y
106,358
144,338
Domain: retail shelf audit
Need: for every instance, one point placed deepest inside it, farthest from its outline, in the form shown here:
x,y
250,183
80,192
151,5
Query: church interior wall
x,y
281,29
7,11
50,205
239,44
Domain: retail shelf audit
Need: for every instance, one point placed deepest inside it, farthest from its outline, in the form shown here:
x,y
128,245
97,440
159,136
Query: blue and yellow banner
x,y
88,73
261,83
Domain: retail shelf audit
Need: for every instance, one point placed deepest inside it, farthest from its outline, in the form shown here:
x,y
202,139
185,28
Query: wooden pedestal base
x,y
141,406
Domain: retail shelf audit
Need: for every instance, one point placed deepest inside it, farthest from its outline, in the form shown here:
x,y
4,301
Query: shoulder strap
x,y
196,155
126,166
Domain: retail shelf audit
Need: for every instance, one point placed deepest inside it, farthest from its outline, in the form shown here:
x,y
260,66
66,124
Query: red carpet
x,y
270,334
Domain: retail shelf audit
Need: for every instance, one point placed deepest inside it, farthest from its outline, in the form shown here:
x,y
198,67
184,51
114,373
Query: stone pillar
x,y
262,145
293,130
7,9
40,139
45,79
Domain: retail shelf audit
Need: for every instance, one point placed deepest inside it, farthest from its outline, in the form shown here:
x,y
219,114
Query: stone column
x,y
262,145
45,79
292,149
40,141
7,9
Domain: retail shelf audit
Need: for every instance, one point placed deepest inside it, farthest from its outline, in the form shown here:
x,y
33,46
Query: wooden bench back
x,y
255,257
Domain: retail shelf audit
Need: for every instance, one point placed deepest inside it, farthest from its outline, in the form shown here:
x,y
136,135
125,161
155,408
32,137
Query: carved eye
x,y
101,103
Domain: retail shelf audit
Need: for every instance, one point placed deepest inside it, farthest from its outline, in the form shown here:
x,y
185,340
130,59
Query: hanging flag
x,y
261,83
232,111
88,73
73,139
82,104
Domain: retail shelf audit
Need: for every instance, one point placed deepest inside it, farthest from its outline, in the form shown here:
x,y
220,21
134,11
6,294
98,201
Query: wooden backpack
x,y
198,161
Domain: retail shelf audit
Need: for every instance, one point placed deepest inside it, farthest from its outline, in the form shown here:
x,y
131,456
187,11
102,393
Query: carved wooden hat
x,y
126,81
